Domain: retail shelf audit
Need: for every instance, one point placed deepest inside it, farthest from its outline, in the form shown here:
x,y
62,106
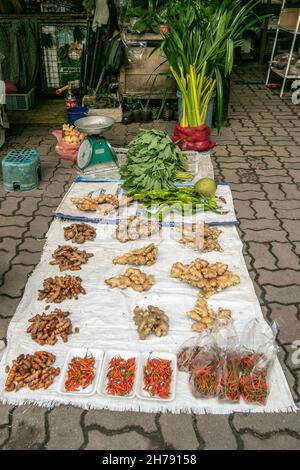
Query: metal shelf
x,y
295,33
287,30
282,74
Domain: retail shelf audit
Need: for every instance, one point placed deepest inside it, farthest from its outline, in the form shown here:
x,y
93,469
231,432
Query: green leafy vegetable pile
x,y
153,162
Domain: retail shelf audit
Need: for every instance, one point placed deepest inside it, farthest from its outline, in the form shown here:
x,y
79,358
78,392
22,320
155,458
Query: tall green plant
x,y
203,35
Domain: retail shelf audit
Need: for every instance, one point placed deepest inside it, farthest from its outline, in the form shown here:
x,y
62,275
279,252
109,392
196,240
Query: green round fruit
x,y
205,187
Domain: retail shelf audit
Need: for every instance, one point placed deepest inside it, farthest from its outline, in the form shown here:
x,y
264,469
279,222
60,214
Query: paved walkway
x,y
258,154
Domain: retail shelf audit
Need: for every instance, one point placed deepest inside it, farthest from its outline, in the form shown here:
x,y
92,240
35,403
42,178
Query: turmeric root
x,y
79,233
69,258
145,256
210,278
58,288
44,328
32,370
133,278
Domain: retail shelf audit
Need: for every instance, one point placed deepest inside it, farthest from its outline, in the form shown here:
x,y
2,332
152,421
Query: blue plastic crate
x,y
21,169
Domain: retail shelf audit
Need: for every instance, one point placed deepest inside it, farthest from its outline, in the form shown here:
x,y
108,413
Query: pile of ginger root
x,y
205,318
71,135
145,256
210,278
133,278
151,320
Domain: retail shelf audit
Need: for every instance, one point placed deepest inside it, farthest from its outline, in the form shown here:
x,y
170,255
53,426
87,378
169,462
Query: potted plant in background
x,y
204,36
132,110
163,18
146,114
142,19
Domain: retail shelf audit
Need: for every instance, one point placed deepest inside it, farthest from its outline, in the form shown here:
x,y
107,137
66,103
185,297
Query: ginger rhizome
x,y
200,237
205,318
133,278
145,256
151,320
210,278
104,204
134,228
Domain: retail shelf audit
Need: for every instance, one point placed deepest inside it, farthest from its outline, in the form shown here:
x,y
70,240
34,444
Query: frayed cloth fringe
x,y
145,408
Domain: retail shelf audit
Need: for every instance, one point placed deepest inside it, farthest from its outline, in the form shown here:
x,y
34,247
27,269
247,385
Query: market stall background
x,y
250,139
237,159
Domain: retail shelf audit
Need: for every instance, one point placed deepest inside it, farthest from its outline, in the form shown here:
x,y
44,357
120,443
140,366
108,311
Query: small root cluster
x,y
134,228
151,320
200,238
205,318
59,288
145,256
210,278
34,371
45,328
104,204
79,233
133,278
69,258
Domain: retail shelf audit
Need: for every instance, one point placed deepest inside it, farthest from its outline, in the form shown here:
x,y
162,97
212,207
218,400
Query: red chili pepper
x,y
229,388
157,377
81,372
253,380
120,375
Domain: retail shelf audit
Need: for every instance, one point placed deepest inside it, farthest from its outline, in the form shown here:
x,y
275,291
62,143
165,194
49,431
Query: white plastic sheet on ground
x,y
104,317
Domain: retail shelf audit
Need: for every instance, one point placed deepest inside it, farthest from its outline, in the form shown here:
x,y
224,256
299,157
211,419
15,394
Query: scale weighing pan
x,y
95,149
94,125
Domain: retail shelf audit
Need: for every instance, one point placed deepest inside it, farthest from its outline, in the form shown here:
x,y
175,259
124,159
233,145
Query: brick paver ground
x,y
258,154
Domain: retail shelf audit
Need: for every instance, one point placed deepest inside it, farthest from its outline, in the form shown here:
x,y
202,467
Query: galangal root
x,y
133,278
151,320
205,318
58,288
134,228
104,204
44,328
145,256
210,278
79,233
69,258
200,237
34,371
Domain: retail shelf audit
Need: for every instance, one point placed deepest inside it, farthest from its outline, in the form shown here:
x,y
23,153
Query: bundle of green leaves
x,y
153,162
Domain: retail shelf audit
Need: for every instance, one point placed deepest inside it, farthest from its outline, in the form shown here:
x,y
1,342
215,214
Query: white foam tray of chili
x,y
103,381
81,353
144,394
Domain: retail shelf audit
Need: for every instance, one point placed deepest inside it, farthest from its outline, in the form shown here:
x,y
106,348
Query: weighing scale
x,y
95,149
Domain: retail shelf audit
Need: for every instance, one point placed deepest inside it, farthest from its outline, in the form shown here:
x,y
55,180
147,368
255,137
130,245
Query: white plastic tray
x,y
141,393
81,352
101,389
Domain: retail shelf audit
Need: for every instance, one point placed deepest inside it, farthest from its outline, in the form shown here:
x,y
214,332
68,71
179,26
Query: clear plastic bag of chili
x,y
229,386
257,356
190,349
205,371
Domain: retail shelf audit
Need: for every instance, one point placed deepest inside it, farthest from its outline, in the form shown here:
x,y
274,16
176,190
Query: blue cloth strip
x,y
83,179
116,221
